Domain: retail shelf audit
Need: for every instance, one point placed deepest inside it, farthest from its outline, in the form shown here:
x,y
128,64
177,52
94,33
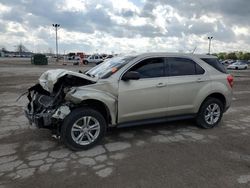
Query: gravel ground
x,y
175,154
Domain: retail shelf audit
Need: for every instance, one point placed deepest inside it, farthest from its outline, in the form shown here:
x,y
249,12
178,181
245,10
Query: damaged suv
x,y
129,90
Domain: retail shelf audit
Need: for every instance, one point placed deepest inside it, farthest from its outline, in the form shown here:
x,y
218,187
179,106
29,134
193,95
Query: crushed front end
x,y
47,106
43,109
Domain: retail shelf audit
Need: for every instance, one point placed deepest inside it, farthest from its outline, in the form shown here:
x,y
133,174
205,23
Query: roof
x,y
176,54
205,56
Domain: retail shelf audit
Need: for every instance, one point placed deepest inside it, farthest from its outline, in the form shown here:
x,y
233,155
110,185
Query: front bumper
x,y
42,120
43,110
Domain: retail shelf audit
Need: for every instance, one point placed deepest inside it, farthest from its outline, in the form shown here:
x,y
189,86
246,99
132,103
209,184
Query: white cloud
x,y
14,27
4,9
123,5
239,30
72,5
124,26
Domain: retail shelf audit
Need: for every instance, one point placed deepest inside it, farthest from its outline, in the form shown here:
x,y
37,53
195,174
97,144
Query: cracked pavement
x,y
174,154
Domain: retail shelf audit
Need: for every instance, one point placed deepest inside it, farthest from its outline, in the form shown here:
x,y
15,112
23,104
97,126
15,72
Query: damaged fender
x,y
78,95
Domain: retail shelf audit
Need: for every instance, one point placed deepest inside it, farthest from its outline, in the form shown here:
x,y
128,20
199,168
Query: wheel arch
x,y
100,100
215,95
99,106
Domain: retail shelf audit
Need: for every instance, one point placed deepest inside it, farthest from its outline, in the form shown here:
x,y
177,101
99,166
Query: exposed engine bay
x,y
47,106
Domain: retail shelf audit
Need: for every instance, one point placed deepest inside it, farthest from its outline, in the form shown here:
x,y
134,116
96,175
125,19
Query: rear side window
x,y
182,66
215,63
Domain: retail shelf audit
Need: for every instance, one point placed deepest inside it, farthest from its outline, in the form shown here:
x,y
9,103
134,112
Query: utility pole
x,y
209,43
56,28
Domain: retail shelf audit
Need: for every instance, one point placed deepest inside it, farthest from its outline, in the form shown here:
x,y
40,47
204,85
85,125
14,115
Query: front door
x,y
147,97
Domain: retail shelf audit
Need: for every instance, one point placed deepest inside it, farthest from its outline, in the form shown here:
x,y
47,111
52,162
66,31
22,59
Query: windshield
x,y
109,67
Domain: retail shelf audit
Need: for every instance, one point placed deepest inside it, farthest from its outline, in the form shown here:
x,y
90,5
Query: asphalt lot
x,y
176,154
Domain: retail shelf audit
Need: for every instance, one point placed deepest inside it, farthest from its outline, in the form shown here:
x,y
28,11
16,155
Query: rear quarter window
x,y
216,64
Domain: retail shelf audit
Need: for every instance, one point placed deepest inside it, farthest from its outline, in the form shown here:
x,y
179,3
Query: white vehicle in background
x,y
238,65
93,59
75,60
228,61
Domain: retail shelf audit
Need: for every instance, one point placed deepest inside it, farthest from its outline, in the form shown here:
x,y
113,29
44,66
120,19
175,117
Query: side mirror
x,y
131,75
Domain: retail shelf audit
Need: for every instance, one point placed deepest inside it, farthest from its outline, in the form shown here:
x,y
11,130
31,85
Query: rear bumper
x,y
229,98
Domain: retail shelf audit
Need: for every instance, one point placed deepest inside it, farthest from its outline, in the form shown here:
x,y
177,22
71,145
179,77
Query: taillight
x,y
230,80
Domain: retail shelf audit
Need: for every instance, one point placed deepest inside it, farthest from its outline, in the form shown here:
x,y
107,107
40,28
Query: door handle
x,y
160,85
200,80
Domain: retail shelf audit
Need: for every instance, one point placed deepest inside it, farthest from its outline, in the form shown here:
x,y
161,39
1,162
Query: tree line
x,y
233,55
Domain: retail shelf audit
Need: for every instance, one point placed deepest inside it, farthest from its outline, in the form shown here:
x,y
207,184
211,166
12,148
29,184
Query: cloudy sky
x,y
126,25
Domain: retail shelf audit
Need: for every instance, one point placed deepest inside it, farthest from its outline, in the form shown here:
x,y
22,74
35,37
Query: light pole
x,y
56,28
209,43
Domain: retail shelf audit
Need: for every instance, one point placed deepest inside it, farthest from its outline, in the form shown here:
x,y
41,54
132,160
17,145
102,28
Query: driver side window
x,y
150,68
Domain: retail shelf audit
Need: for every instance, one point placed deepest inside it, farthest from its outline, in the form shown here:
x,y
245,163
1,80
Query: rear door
x,y
147,97
186,78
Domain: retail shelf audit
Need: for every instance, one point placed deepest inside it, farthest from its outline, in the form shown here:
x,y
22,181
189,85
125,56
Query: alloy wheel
x,y
212,114
85,130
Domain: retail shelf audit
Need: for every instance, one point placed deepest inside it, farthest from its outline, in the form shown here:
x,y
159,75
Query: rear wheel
x,y
85,62
236,68
210,113
83,128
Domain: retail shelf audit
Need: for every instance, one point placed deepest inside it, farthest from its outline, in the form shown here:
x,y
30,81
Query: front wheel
x,y
210,113
83,128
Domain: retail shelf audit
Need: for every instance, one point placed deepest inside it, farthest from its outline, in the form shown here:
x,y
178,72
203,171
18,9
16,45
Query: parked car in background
x,y
238,65
75,60
105,58
93,59
109,56
129,90
227,61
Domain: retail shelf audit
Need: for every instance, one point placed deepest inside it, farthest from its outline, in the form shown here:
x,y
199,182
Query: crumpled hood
x,y
48,79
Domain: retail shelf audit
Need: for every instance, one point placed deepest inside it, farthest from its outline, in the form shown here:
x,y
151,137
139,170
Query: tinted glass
x,y
215,63
199,70
150,68
182,66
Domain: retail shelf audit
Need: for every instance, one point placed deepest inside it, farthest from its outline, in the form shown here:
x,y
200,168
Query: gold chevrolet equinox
x,y
129,90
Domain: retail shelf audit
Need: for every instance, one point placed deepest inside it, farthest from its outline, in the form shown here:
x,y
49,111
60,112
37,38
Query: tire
x,y
245,68
203,113
85,62
75,120
236,68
